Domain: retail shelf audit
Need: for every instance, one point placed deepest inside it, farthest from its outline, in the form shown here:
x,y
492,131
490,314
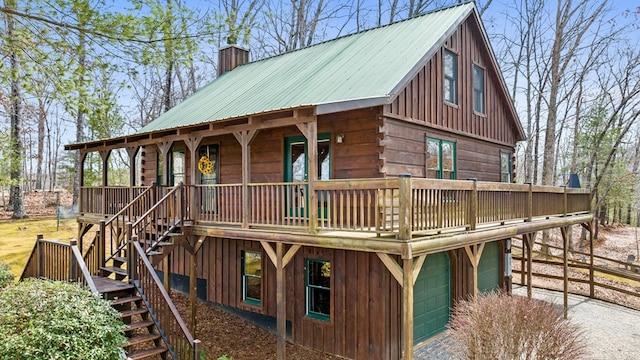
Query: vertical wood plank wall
x,y
422,99
365,300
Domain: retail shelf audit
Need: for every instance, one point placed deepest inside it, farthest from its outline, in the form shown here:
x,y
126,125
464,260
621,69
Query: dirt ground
x,y
224,334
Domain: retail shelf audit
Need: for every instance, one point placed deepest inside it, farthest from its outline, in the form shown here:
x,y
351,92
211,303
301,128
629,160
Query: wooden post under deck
x,y
474,253
407,308
280,259
565,248
193,245
528,240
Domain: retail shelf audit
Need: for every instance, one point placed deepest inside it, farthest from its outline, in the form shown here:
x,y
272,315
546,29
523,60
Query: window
x,y
441,159
505,166
450,77
251,277
478,89
318,284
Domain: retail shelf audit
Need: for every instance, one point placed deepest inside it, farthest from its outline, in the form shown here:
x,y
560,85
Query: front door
x,y
296,170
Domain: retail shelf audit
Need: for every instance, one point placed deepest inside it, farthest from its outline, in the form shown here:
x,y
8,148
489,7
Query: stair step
x,y
108,286
147,353
124,300
115,270
120,259
138,325
142,339
128,313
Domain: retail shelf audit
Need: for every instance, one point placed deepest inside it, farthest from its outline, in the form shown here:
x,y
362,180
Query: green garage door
x,y
432,297
489,268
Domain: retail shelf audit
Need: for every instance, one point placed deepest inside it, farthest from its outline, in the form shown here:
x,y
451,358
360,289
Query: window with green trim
x,y
450,77
318,286
478,89
505,166
441,159
252,277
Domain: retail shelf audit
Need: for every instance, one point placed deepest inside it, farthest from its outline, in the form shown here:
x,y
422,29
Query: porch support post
x,y
565,261
164,148
310,131
104,155
591,284
83,156
474,253
193,245
407,309
192,144
406,277
132,151
528,241
245,138
280,259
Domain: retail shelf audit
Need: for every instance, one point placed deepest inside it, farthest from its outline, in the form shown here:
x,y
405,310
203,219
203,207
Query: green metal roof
x,y
354,71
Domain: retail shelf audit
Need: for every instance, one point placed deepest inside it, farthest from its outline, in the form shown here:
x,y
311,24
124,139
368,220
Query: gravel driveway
x,y
612,331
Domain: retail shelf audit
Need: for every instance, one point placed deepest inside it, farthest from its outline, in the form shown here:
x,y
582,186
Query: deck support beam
x,y
406,277
474,253
528,240
245,137
565,261
192,245
280,259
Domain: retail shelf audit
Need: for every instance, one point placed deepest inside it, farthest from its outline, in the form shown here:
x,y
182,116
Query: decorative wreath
x,y
205,165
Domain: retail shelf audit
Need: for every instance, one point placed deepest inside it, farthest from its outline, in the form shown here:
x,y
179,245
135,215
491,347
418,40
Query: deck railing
x,y
58,261
107,200
399,206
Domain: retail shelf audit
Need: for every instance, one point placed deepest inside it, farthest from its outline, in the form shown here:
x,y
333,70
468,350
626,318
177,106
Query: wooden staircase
x,y
145,340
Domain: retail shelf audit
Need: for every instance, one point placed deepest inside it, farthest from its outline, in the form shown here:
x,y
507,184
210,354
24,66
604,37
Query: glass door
x,y
296,170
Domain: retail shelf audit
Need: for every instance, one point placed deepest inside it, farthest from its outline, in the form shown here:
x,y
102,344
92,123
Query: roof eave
x,y
352,104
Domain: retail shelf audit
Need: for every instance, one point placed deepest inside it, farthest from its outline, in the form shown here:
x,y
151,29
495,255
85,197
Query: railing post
x,y
102,244
530,203
196,349
472,217
38,254
404,202
131,256
73,276
566,201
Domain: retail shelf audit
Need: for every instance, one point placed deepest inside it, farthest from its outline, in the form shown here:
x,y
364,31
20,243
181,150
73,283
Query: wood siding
x,y
405,151
358,156
365,300
422,98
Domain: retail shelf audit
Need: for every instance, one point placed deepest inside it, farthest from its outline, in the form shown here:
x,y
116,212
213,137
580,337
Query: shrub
x,y
57,320
6,277
498,326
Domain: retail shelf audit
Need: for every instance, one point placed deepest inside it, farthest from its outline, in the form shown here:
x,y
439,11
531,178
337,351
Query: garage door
x,y
489,268
432,297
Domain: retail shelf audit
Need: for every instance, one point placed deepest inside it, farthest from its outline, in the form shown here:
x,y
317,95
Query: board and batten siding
x,y
422,99
365,300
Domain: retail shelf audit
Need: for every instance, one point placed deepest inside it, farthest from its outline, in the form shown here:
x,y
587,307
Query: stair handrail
x,y
176,335
132,229
115,250
77,263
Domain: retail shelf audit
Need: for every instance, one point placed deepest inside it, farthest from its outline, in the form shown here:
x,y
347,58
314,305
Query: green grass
x,y
17,238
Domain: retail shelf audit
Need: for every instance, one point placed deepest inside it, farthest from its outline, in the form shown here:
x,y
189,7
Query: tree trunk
x,y
41,136
82,60
15,191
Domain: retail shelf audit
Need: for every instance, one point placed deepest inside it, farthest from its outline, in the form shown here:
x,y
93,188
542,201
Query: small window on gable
x,y
478,89
318,284
252,277
505,167
450,77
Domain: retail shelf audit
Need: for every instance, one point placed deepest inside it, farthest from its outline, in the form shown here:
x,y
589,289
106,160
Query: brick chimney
x,y
231,57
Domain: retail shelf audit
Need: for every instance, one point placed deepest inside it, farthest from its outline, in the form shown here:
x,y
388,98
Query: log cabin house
x,y
352,190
